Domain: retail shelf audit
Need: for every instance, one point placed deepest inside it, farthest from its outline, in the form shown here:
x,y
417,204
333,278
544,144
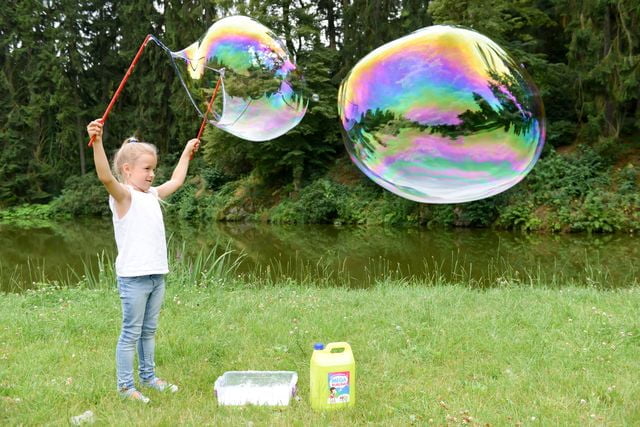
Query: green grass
x,y
441,355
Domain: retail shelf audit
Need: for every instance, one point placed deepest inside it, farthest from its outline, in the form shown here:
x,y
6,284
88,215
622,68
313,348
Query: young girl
x,y
142,251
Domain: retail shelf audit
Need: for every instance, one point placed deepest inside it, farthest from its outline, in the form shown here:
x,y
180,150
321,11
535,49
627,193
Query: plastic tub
x,y
271,388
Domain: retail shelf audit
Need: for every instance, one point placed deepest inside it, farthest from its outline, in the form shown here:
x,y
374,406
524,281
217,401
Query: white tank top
x,y
140,236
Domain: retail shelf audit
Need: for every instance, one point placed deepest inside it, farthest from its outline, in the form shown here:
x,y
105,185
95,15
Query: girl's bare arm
x,y
180,172
120,194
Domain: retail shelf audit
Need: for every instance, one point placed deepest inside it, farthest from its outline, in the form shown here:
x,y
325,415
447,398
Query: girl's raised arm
x,y
180,172
117,190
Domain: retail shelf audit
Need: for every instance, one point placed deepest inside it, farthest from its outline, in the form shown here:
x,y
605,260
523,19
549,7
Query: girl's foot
x,y
160,385
133,394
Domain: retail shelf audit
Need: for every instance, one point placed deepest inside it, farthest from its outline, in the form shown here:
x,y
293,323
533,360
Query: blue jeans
x,y
141,299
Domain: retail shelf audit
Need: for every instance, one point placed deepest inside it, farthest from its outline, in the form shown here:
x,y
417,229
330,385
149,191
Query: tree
x,y
604,50
29,125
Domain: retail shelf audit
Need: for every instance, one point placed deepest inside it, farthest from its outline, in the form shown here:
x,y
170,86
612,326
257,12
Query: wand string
x,y
130,71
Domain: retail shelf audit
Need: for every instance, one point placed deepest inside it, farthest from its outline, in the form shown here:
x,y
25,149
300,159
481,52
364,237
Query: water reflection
x,y
361,255
341,256
45,251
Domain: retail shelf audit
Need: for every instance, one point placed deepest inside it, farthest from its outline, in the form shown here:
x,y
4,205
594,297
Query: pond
x,y
344,256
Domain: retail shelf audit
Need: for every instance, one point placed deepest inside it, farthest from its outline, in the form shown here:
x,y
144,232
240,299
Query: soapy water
x,y
443,115
256,387
87,417
262,89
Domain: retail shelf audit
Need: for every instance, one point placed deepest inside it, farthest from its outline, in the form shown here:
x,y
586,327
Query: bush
x,y
557,179
439,216
357,202
628,180
83,195
597,213
391,209
479,213
317,204
214,177
284,213
519,216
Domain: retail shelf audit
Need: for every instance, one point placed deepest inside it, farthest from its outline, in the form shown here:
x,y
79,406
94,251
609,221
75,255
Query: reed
x,y
221,264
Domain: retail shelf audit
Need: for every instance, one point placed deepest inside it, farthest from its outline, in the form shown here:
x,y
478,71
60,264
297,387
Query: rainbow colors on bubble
x,y
443,115
262,89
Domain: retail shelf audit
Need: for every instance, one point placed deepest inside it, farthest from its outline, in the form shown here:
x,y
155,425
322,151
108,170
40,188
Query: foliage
x,y
27,215
519,216
574,193
317,204
60,63
559,178
82,196
605,52
214,178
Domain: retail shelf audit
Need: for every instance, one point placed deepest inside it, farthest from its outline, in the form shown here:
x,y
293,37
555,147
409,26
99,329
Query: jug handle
x,y
336,345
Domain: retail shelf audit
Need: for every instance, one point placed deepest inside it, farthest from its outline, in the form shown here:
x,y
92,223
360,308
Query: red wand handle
x,y
213,97
122,83
206,113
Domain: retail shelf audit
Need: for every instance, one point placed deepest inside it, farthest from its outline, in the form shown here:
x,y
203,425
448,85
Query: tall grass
x,y
221,264
18,277
435,271
214,266
205,267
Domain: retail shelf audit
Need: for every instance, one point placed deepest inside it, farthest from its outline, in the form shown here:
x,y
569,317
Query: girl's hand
x,y
95,129
192,146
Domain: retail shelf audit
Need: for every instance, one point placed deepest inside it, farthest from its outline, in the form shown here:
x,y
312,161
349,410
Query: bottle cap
x,y
318,346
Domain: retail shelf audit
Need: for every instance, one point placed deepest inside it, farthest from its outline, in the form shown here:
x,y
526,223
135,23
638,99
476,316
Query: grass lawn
x,y
442,355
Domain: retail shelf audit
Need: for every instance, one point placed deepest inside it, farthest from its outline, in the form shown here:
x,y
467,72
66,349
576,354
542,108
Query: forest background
x,y
61,62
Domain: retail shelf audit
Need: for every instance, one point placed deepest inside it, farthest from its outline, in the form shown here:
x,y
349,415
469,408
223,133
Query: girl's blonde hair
x,y
129,152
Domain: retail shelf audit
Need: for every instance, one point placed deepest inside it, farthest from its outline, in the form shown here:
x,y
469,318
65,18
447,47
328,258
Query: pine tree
x,y
605,52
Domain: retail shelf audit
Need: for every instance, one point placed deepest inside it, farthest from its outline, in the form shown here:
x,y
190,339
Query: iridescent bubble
x,y
261,94
443,115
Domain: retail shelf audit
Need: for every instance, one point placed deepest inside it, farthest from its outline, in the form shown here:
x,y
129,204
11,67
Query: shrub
x,y
628,180
479,213
438,216
214,177
597,213
392,210
83,195
519,216
557,179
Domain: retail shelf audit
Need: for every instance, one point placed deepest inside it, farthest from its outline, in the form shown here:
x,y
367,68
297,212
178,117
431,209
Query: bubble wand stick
x,y
206,113
122,83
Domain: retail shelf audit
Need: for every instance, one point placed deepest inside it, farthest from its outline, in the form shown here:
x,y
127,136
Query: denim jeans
x,y
141,299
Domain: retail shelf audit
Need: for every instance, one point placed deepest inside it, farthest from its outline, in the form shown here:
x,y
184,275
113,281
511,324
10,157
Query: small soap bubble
x,y
443,115
315,97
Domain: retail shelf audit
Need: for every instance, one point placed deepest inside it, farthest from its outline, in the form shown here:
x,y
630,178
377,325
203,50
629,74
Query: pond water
x,y
343,256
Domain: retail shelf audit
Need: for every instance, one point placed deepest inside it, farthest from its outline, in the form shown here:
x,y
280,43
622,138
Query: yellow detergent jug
x,y
332,376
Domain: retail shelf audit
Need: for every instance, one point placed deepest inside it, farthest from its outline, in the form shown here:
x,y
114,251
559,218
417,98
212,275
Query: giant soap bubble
x,y
443,115
261,87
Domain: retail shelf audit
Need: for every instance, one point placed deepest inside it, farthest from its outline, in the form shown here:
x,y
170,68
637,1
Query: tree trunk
x,y
609,103
287,28
81,142
331,25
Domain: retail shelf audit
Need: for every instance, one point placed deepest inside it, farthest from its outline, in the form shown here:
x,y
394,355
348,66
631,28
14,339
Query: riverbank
x,y
565,193
443,354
